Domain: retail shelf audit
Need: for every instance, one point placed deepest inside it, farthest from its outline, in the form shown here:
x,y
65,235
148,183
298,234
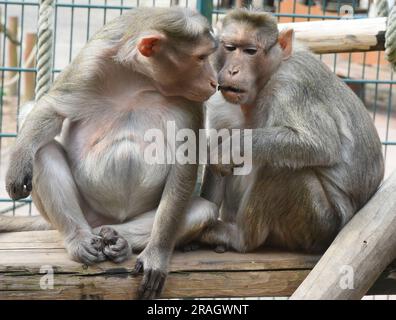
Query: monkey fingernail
x,y
138,268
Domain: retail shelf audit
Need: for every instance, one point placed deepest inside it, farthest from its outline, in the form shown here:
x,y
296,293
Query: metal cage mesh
x,y
368,74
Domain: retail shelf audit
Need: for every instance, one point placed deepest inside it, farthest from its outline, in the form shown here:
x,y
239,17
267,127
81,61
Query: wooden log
x,y
26,258
29,78
345,35
362,250
12,57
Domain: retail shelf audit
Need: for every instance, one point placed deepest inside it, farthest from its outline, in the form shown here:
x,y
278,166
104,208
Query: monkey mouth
x,y
231,89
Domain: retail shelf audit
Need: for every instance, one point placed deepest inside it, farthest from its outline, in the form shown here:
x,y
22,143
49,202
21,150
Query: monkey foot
x,y
220,249
192,246
85,247
115,247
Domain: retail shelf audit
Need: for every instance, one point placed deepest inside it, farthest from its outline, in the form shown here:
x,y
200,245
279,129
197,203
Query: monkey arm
x,y
154,259
213,187
42,124
295,148
176,195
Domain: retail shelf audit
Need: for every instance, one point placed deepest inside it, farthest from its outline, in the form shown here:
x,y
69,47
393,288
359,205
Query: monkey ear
x,y
286,42
150,44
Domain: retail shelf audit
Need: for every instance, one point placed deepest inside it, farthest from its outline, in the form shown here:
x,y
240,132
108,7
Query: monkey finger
x,y
97,243
121,244
27,181
155,281
160,287
91,250
109,235
138,267
144,288
158,284
17,191
117,256
121,258
86,258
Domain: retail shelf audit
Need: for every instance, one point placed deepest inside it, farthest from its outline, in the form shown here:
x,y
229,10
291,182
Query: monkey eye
x,y
202,57
250,51
229,47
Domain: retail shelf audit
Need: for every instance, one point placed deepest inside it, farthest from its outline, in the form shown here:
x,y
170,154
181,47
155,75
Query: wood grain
x,y
193,274
346,35
366,246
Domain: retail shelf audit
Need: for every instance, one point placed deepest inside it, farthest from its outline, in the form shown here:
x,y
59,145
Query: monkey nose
x,y
233,72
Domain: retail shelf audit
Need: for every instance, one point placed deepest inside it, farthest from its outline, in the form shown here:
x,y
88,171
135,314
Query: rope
x,y
390,38
44,45
382,10
381,7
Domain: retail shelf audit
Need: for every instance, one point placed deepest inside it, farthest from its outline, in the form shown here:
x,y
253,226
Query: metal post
x,y
205,7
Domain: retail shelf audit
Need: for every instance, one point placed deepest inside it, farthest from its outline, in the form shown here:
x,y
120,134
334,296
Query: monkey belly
x,y
118,183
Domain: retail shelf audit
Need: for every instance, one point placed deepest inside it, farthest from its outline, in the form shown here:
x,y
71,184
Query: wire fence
x,y
75,21
368,74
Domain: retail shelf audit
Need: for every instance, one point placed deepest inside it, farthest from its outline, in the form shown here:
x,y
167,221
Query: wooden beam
x,y
203,273
359,254
29,78
345,35
12,56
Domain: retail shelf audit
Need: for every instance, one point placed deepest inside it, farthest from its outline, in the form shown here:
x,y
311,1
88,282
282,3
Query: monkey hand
x,y
154,266
222,169
220,165
19,176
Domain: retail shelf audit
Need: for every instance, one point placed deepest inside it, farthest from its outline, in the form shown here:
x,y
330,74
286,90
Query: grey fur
x,y
94,174
316,154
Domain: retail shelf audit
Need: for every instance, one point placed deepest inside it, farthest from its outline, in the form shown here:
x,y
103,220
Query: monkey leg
x,y
199,215
56,196
236,235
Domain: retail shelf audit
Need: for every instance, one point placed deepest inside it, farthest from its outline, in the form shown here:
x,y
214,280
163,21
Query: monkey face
x,y
180,68
244,63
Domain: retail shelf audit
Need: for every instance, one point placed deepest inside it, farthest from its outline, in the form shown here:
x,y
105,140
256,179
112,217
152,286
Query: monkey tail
x,y
14,224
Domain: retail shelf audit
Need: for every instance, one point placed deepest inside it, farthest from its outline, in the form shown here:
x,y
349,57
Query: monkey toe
x,y
192,246
109,235
116,248
220,249
115,255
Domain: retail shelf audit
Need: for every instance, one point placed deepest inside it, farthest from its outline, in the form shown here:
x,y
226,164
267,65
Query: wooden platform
x,y
194,274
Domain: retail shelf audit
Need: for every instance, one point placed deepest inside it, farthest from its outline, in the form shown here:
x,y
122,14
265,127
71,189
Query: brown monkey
x,y
143,69
316,154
